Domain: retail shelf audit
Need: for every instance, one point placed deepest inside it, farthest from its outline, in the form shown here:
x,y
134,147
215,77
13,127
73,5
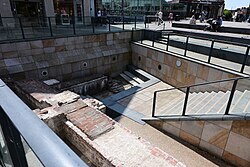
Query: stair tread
x,y
193,108
211,102
219,104
135,78
241,103
178,108
131,81
247,108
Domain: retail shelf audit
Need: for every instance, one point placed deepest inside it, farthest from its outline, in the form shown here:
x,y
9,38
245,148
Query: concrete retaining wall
x,y
229,140
66,58
163,65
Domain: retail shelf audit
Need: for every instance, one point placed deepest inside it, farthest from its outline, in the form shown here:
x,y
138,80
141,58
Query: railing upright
x,y
135,22
245,59
74,25
21,26
123,23
185,102
211,51
50,27
109,24
93,25
185,52
231,97
141,35
153,36
168,42
154,103
132,34
145,21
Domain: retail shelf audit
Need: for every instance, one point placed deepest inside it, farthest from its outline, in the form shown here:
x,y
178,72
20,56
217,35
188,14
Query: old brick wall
x,y
66,58
229,140
163,66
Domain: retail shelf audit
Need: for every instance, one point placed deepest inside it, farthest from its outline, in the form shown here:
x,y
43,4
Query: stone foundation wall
x,y
163,65
66,58
229,140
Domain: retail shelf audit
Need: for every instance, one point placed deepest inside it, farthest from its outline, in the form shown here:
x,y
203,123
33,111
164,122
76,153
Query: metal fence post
x,y
74,26
135,22
154,103
93,26
185,102
142,31
168,42
153,42
122,22
211,51
231,97
185,52
21,26
50,27
145,21
109,24
245,59
132,34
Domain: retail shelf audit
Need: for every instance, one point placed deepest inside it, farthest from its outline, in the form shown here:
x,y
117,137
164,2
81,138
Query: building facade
x,y
48,8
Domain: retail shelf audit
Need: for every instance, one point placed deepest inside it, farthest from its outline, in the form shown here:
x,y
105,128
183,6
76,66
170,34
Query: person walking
x,y
171,17
160,17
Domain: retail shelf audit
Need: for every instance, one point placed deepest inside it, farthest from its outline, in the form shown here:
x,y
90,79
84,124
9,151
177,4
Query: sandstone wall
x,y
163,65
66,58
229,140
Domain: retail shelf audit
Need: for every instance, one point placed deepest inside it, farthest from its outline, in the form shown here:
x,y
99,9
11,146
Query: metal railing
x,y
208,52
185,104
22,28
18,122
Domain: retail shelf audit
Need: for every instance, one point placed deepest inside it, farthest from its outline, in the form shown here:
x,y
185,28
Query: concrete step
x,y
179,103
247,108
128,79
241,103
176,110
218,105
210,103
170,104
193,108
237,95
132,76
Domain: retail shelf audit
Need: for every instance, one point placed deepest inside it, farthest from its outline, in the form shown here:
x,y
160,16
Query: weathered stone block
x,y
36,44
211,148
235,159
60,41
193,127
26,59
10,47
12,62
24,53
214,74
37,51
49,50
189,138
215,135
42,64
48,43
171,129
7,55
23,46
29,66
241,128
238,145
15,69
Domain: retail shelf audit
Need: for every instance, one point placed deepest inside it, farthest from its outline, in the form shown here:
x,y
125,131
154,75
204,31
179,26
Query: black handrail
x,y
47,146
243,64
210,39
200,84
